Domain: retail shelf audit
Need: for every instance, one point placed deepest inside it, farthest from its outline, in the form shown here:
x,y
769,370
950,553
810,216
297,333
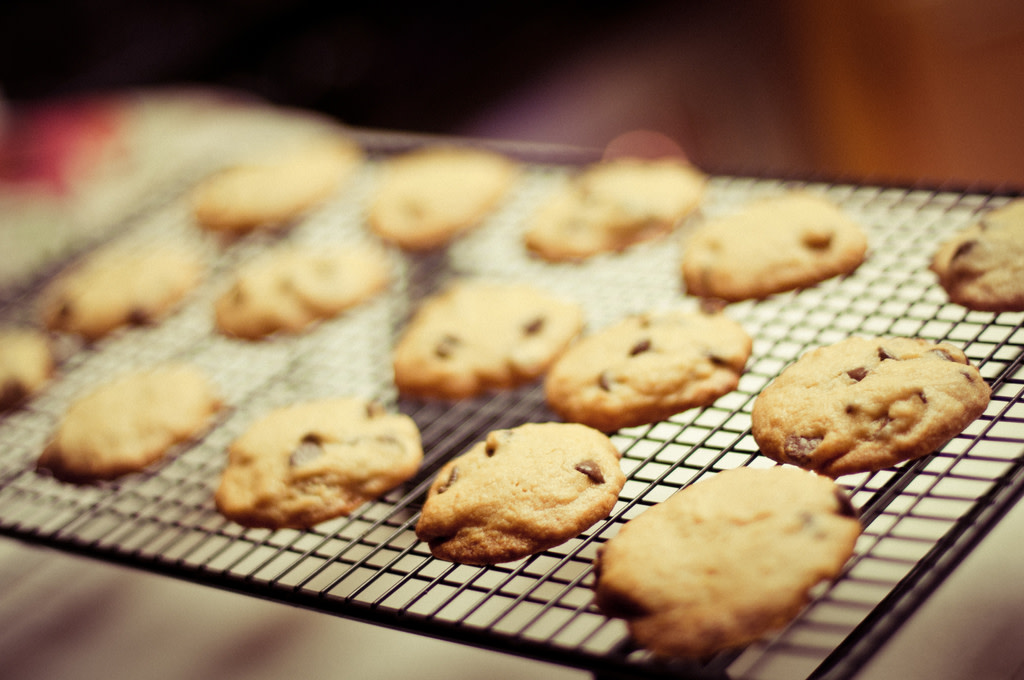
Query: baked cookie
x,y
982,267
287,290
479,336
130,423
612,205
646,368
775,244
275,191
428,196
26,364
113,288
519,492
725,561
867,403
304,464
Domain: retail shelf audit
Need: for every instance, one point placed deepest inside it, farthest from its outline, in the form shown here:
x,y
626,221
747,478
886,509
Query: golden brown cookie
x,y
430,195
26,364
304,464
646,368
776,244
130,423
866,404
519,492
726,560
478,336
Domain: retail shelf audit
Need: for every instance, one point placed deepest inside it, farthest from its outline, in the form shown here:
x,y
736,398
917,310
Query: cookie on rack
x,y
275,191
726,560
520,491
303,464
648,367
866,404
478,336
780,243
982,267
287,290
26,365
614,204
116,287
430,195
130,423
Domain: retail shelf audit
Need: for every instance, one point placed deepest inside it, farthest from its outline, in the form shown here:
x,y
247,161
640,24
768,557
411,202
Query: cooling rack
x,y
920,518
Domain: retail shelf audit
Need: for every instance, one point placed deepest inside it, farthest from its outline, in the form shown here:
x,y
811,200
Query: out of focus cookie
x,y
277,190
130,423
519,492
288,290
26,364
428,196
725,561
304,464
646,368
114,287
612,205
478,336
982,267
776,244
865,404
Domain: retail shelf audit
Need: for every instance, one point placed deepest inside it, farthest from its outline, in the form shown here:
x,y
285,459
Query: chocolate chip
x,y
943,354
968,375
851,409
452,478
858,373
591,469
138,316
964,248
534,326
12,392
309,449
490,447
64,310
716,360
446,347
883,354
605,381
924,399
846,508
640,347
799,449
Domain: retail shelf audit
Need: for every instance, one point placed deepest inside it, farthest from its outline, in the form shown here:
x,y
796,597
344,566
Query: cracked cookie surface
x,y
303,464
646,368
520,491
867,403
725,560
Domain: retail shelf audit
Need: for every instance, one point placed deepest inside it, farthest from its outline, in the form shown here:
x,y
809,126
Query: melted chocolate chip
x,y
883,354
846,508
799,449
309,449
452,478
138,317
12,392
592,470
640,347
964,248
924,399
858,373
605,381
534,326
851,409
943,354
716,360
490,448
446,347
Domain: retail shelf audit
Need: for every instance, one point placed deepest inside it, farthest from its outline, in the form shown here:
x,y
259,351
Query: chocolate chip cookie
x,y
519,492
26,364
726,560
982,267
303,464
867,403
288,290
612,205
647,368
130,423
776,244
478,336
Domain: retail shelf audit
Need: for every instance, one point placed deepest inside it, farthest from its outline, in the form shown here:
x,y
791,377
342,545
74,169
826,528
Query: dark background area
x,y
878,90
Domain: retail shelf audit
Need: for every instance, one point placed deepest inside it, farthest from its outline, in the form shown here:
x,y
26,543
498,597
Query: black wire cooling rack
x,y
920,519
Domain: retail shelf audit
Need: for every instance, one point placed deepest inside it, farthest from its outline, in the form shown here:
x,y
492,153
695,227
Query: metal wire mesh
x,y
919,519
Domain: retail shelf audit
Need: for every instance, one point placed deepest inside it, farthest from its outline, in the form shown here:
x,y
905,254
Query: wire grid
x,y
919,518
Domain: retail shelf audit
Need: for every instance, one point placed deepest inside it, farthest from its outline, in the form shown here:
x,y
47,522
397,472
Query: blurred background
x,y
895,91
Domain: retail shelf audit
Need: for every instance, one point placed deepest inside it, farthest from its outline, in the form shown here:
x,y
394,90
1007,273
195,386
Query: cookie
x,y
303,464
479,336
113,288
646,368
26,365
130,423
725,561
866,404
982,267
287,290
275,191
519,492
428,196
776,244
612,205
